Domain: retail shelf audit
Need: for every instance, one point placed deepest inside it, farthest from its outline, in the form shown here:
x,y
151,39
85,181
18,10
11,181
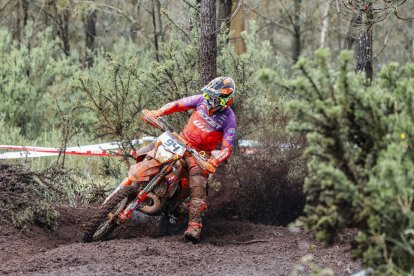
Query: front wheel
x,y
104,223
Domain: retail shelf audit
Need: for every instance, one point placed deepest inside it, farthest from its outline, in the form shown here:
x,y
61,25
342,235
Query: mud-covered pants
x,y
198,191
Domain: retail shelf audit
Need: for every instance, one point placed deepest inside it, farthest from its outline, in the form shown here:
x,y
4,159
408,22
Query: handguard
x,y
157,122
148,118
204,164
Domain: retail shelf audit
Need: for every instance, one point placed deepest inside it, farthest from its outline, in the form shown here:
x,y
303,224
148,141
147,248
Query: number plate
x,y
171,144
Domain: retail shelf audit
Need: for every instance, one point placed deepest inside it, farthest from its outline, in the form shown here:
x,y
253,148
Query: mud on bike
x,y
156,185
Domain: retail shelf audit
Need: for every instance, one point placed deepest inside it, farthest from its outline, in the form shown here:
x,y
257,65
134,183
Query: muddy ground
x,y
228,247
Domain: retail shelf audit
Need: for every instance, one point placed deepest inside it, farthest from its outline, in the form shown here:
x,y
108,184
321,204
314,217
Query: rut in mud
x,y
228,247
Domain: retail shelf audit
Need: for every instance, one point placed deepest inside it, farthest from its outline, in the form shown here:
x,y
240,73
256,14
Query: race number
x,y
171,144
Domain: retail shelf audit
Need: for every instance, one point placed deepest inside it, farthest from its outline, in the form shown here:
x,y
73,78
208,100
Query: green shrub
x,y
360,157
33,77
10,134
28,196
131,83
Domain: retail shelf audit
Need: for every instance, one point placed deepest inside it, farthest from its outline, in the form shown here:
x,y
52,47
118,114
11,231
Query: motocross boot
x,y
198,194
196,210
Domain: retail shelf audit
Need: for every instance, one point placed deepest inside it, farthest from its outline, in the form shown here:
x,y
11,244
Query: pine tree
x,y
360,157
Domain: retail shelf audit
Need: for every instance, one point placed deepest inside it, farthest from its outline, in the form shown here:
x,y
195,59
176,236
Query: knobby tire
x,y
102,216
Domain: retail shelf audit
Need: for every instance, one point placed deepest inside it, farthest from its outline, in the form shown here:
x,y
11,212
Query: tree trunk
x,y
350,38
297,32
325,23
64,26
90,31
224,13
21,20
208,41
135,27
237,27
62,21
157,26
364,54
411,36
412,47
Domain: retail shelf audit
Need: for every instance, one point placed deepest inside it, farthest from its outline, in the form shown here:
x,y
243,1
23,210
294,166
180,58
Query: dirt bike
x,y
156,185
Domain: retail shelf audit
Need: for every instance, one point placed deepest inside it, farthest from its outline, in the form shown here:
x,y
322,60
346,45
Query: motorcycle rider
x,y
212,122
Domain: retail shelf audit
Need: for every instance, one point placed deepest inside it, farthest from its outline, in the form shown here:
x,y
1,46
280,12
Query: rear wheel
x,y
104,223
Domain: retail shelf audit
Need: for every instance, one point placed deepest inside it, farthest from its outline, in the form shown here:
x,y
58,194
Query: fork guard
x,y
143,170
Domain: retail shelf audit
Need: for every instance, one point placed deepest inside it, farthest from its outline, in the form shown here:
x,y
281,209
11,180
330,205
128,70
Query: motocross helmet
x,y
219,94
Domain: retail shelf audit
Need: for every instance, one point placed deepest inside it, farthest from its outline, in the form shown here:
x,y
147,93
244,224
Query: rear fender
x,y
143,170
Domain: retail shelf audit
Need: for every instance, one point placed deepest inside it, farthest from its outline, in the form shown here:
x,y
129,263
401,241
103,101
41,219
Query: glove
x,y
151,113
156,113
213,161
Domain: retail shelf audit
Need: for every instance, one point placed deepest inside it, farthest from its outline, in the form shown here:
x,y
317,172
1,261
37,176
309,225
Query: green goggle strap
x,y
223,102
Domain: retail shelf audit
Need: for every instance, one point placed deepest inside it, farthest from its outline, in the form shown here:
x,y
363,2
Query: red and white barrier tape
x,y
103,149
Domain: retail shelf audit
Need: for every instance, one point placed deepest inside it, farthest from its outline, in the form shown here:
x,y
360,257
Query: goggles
x,y
215,101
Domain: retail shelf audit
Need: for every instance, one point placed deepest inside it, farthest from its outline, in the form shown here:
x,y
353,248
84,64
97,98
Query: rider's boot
x,y
196,210
198,194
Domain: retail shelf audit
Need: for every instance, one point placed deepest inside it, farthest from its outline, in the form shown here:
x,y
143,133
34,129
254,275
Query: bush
x,y
28,196
32,79
360,157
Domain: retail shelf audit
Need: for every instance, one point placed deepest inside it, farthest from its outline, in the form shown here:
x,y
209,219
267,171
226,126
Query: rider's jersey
x,y
206,132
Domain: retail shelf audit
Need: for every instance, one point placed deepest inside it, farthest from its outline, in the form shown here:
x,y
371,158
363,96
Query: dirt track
x,y
227,248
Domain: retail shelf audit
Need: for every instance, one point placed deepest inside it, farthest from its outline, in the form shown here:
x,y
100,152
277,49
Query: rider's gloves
x,y
213,161
156,113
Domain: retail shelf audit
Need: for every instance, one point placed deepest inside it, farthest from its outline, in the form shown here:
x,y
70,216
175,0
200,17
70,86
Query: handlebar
x,y
163,125
159,122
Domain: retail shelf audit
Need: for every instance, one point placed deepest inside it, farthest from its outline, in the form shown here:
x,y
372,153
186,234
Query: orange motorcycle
x,y
156,185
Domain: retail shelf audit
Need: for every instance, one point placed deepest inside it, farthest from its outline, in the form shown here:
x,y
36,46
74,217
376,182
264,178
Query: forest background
x,y
335,126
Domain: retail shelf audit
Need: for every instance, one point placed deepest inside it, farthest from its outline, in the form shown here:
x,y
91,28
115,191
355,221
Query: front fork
x,y
143,194
125,183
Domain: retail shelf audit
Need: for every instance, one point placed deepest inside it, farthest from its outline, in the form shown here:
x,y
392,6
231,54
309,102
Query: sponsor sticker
x,y
231,130
202,126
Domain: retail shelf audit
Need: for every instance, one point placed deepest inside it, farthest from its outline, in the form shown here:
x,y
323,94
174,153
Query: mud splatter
x,y
228,247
